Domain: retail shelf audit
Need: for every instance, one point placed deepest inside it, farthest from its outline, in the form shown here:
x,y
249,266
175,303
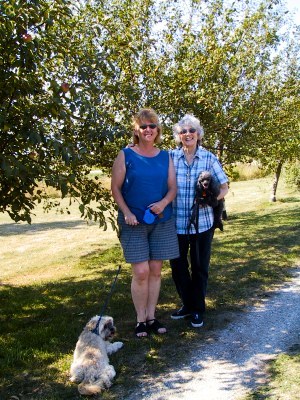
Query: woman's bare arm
x,y
117,179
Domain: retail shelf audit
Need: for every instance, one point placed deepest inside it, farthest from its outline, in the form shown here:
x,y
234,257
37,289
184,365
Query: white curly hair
x,y
190,121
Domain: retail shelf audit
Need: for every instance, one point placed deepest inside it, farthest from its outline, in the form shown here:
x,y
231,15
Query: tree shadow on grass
x,y
40,324
289,200
39,327
18,229
36,387
255,259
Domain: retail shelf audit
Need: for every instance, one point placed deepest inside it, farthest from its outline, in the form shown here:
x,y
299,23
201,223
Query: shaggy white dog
x,y
90,367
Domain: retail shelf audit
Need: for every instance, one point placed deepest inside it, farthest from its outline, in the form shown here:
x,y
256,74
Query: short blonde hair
x,y
191,121
146,114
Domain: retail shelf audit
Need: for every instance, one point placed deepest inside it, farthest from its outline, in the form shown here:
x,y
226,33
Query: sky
x,y
294,5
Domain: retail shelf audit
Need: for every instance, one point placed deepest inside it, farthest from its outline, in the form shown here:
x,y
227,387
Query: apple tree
x,y
215,61
61,84
280,143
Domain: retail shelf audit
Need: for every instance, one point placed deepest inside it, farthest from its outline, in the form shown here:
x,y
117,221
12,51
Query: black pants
x,y
191,280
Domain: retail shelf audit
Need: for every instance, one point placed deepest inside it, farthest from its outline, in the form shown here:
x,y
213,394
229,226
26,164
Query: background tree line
x,y
73,73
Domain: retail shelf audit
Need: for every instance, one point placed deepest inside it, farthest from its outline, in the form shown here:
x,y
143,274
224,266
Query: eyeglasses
x,y
145,126
191,130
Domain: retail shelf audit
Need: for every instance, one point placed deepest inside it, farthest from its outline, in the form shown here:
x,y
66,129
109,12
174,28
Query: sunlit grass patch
x,y
248,171
284,378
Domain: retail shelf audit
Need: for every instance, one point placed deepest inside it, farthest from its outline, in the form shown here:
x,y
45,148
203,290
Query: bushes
x,y
292,173
247,171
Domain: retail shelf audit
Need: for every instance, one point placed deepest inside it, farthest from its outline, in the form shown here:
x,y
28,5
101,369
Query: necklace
x,y
189,158
188,174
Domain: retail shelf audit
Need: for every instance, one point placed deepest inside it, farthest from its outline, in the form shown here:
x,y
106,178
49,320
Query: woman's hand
x,y
130,219
158,207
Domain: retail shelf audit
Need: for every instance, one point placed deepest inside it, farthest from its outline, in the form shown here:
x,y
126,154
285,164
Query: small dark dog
x,y
206,193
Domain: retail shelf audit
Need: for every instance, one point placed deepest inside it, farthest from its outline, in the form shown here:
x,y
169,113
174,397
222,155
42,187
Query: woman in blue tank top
x,y
144,186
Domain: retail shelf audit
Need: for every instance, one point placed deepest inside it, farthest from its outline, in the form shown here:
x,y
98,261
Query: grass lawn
x,y
56,273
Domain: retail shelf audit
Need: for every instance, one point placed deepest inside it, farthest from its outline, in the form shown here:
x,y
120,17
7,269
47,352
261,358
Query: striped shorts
x,y
145,242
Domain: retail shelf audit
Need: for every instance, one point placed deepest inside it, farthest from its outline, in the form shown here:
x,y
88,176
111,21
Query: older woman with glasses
x,y
190,159
144,185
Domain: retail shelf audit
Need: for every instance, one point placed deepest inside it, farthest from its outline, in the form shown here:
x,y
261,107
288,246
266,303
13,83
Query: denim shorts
x,y
145,242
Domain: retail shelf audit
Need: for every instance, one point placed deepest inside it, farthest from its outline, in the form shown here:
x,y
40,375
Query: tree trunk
x,y
276,179
220,150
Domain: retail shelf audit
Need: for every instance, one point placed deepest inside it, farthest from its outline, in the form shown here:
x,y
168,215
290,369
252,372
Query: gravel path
x,y
234,362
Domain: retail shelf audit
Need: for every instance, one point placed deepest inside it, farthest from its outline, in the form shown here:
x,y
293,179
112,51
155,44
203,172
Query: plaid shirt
x,y
186,176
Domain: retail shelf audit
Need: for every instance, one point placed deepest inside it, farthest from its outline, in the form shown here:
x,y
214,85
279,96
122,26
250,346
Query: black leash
x,y
95,330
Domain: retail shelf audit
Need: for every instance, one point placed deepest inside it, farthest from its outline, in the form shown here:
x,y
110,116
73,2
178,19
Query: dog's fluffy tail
x,y
89,389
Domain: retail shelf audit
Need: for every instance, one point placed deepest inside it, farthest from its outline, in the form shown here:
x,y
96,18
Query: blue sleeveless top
x,y
146,182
